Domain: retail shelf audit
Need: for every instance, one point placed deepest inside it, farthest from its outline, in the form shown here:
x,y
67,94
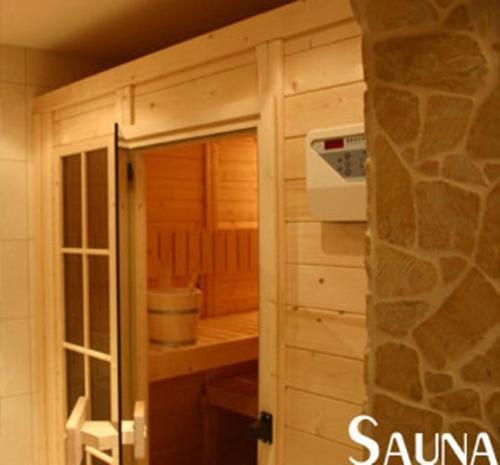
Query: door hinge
x,y
262,429
130,171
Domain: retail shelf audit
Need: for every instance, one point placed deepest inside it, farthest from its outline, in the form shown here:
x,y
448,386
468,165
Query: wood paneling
x,y
202,218
303,69
326,331
320,416
324,108
295,163
327,287
296,206
325,327
235,182
190,104
303,448
328,375
82,126
340,244
341,31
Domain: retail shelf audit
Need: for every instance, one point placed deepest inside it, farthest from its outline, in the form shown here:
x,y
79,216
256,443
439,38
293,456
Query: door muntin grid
x,y
88,264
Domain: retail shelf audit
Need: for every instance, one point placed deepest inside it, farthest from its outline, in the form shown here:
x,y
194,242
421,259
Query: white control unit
x,y
335,173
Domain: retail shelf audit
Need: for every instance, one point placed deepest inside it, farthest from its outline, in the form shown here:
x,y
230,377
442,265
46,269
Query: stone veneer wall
x,y
433,122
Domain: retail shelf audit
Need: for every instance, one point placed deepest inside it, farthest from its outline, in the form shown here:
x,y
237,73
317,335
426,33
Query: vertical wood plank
x,y
244,250
270,71
232,251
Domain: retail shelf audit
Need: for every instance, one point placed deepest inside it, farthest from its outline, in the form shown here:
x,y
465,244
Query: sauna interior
x,y
202,234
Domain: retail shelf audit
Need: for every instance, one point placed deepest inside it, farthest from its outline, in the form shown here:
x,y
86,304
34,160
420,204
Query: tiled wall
x,y
24,73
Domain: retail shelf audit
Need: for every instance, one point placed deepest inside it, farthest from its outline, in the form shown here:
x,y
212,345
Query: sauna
x,y
214,318
201,219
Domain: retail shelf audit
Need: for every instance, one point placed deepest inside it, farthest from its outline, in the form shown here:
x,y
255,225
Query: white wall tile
x,y
13,200
15,357
14,279
24,74
16,438
13,130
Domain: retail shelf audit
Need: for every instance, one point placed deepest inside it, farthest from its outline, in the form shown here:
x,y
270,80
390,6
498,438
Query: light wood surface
x,y
312,279
202,218
222,341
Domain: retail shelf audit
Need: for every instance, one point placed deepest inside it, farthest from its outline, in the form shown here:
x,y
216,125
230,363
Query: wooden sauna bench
x,y
222,341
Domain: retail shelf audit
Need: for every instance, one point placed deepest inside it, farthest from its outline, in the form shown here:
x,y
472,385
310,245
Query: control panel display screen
x,y
346,155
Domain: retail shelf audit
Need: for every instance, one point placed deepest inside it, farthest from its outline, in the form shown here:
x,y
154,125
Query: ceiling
x,y
117,30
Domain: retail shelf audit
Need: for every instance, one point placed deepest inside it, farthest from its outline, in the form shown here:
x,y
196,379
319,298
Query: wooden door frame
x,y
269,125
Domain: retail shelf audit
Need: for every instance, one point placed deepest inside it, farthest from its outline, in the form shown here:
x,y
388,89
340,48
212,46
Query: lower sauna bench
x,y
221,341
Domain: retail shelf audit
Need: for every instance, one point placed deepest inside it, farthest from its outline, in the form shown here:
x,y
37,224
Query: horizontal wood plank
x,y
320,416
295,158
306,449
327,287
327,243
221,341
326,331
328,375
323,109
322,67
296,203
99,122
335,33
233,93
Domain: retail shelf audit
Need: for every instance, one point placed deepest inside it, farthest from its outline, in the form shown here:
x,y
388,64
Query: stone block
x,y
399,274
393,415
448,217
393,196
441,61
397,370
484,368
438,382
461,168
445,124
451,268
397,113
488,251
461,321
464,402
484,136
398,318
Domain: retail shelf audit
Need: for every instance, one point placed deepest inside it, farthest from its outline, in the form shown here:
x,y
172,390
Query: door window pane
x,y
99,302
73,298
100,389
75,386
97,199
72,201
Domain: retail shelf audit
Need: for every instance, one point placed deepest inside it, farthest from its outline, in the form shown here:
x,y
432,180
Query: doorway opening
x,y
201,217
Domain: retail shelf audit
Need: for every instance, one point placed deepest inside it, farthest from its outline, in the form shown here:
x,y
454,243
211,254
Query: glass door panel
x,y
99,316
89,286
73,299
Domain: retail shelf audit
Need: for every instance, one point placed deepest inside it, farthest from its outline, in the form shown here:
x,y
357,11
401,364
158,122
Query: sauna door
x,y
89,276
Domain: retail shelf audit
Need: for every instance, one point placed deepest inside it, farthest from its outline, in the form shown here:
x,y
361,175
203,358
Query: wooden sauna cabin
x,y
185,170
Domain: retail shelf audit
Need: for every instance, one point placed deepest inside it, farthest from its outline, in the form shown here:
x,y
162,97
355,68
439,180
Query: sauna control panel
x,y
335,173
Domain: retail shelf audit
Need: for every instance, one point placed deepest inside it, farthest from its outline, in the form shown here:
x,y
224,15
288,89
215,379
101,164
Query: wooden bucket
x,y
172,316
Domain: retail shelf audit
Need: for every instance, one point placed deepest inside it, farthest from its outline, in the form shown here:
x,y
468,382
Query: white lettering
x,y
357,436
419,450
461,453
488,449
444,445
401,451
